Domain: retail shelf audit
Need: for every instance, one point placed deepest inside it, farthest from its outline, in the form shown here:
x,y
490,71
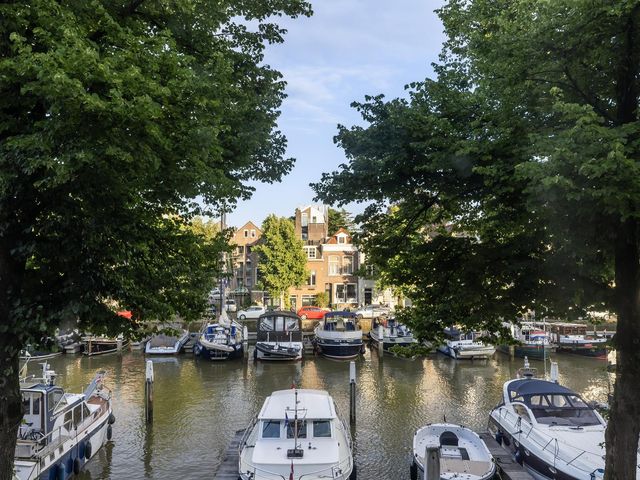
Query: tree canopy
x,y
340,218
283,263
119,121
510,181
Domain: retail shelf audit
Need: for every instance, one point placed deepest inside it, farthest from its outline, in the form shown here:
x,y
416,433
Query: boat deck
x,y
228,468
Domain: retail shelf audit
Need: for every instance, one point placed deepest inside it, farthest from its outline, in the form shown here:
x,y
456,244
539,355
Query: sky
x,y
346,50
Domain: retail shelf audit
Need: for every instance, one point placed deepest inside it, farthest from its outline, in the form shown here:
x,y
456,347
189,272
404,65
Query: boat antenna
x,y
295,420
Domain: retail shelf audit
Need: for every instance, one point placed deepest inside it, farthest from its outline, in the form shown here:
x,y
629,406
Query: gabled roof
x,y
333,239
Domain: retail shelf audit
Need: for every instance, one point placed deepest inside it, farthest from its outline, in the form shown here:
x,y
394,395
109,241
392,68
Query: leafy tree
x,y
322,299
340,219
115,117
513,178
282,258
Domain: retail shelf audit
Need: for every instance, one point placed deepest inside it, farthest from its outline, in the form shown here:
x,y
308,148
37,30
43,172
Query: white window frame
x,y
334,261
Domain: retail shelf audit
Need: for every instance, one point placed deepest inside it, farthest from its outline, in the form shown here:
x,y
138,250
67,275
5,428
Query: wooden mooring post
x,y
380,341
352,392
148,392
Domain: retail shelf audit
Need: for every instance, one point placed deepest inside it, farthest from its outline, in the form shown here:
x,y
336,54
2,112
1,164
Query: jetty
x,y
228,468
509,468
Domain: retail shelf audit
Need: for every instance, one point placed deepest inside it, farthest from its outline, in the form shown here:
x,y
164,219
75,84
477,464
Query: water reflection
x,y
198,405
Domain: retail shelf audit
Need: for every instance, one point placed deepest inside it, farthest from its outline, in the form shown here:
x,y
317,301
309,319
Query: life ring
x,y
77,466
109,432
87,450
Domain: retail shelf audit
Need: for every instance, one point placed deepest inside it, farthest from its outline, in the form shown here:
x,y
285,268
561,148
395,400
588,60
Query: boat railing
x,y
568,455
30,446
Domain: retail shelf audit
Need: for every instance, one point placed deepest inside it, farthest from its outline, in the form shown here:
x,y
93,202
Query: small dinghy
x,y
463,454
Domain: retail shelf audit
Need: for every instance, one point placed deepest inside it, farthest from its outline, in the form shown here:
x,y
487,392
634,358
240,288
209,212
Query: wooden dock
x,y
509,468
228,468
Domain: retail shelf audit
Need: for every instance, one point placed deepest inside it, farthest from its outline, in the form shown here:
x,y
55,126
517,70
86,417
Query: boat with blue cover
x,y
222,340
339,336
60,431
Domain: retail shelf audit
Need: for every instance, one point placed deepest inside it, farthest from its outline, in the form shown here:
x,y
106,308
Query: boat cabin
x,y
455,335
279,326
548,403
340,322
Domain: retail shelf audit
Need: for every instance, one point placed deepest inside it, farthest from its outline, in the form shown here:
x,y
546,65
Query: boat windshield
x,y
561,409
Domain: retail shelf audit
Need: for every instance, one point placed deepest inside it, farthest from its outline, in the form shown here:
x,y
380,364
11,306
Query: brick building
x,y
244,262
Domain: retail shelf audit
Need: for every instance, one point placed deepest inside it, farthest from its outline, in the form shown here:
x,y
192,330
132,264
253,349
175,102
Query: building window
x,y
308,300
347,265
305,219
311,252
240,250
342,239
311,281
246,234
370,270
253,233
346,293
334,265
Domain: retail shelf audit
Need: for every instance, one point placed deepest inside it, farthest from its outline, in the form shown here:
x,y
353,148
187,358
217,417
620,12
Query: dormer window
x,y
342,239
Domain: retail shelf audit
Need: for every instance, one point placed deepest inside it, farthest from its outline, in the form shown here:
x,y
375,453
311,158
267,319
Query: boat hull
x,y
392,341
536,352
339,350
214,353
588,350
278,351
467,353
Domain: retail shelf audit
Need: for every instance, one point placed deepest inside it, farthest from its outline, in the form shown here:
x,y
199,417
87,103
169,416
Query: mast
x,y
295,421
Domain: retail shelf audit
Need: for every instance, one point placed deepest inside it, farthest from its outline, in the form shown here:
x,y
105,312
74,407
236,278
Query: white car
x,y
372,311
230,305
254,311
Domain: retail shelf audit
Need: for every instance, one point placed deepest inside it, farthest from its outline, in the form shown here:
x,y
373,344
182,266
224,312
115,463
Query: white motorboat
x,y
338,335
278,337
162,344
221,340
550,429
465,345
462,453
297,435
60,431
393,333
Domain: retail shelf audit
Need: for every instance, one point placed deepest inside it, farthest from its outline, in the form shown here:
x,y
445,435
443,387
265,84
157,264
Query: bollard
x,y
554,372
432,463
245,341
380,341
352,392
119,344
148,392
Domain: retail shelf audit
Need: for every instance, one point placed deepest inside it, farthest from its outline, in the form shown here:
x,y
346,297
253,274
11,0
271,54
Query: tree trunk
x,y
10,403
10,345
624,424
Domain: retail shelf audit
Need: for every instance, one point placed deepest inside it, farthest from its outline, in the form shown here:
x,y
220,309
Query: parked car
x,y
230,305
254,311
311,312
372,311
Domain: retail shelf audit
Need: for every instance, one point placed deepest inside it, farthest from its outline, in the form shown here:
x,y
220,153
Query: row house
x,y
244,262
332,261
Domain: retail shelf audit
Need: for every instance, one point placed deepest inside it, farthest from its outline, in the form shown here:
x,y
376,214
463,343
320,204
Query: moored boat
x,y
101,345
393,333
278,337
220,341
338,335
573,338
465,345
550,429
462,452
297,435
60,431
163,344
534,342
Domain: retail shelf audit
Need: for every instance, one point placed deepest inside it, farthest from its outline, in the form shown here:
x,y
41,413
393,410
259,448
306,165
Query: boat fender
x,y
112,419
255,354
61,472
109,432
77,465
499,437
81,450
87,450
354,474
518,456
413,471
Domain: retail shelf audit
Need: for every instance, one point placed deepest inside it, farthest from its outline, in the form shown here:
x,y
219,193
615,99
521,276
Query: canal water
x,y
198,405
